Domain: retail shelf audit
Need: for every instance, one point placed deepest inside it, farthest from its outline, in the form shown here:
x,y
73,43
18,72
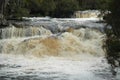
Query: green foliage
x,y
104,4
53,8
112,45
47,7
114,17
113,51
17,9
20,12
88,4
113,34
34,6
65,8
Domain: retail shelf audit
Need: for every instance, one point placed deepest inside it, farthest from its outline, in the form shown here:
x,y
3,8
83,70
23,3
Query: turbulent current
x,y
54,49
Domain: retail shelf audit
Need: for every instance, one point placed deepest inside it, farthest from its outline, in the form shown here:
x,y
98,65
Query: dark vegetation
x,y
54,8
113,34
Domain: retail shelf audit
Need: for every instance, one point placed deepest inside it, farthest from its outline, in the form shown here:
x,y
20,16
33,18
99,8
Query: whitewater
x,y
54,49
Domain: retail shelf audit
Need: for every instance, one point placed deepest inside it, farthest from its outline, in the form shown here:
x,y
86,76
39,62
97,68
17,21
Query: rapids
x,y
54,49
69,43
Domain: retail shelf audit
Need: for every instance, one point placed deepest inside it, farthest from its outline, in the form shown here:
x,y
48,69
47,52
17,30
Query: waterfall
x,y
54,49
13,32
87,14
41,42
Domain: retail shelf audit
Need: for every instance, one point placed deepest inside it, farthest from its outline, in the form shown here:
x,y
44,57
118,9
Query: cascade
x,y
42,42
54,50
13,32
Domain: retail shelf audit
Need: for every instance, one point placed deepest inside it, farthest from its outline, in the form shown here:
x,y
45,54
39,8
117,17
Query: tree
x,y
65,8
34,7
104,4
114,17
48,7
3,4
113,35
17,9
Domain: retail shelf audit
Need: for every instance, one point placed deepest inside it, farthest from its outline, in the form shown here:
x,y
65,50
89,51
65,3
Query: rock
x,y
3,23
1,16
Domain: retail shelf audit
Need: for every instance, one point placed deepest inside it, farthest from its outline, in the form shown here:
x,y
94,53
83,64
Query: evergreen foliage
x,y
65,8
52,8
16,9
113,35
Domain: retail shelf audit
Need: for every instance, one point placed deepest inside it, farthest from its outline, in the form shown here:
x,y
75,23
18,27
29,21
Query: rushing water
x,y
54,49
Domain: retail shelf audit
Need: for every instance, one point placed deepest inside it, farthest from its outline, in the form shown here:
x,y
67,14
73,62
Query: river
x,y
54,49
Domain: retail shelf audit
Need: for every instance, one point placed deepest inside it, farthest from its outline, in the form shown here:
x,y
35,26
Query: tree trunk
x,y
3,4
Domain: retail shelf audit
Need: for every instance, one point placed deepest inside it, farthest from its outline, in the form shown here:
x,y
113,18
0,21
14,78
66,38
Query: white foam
x,y
52,67
81,41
